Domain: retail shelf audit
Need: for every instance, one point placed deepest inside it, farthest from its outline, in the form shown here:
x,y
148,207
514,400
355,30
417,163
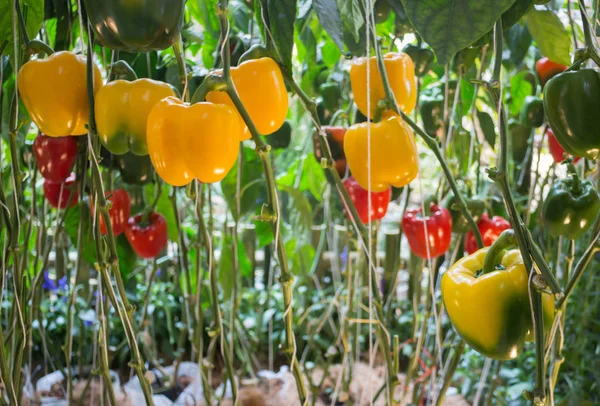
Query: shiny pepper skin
x,y
119,212
547,69
260,86
394,159
491,311
54,91
122,110
429,236
59,193
555,149
55,156
572,106
360,198
199,141
136,26
401,75
490,230
148,237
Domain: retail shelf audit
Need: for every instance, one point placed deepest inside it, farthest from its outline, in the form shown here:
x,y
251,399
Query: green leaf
x,y
226,270
487,127
550,35
264,233
33,13
330,19
351,17
520,88
312,178
204,12
127,256
331,53
518,40
282,15
451,25
72,220
299,213
515,13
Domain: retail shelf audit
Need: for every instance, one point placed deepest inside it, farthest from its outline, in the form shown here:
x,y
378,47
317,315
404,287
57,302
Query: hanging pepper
x,y
335,141
401,76
259,84
532,112
422,58
572,105
460,224
490,230
281,138
571,206
136,26
332,95
547,69
134,169
360,198
122,109
429,236
519,138
489,308
431,109
54,91
556,150
393,159
147,235
55,156
198,141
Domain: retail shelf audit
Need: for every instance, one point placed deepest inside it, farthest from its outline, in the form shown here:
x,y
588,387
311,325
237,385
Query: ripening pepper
x,y
393,158
54,91
422,58
571,206
281,138
428,236
199,141
136,26
122,110
459,223
519,138
572,107
532,112
547,69
490,229
490,311
401,76
259,84
134,169
360,199
557,152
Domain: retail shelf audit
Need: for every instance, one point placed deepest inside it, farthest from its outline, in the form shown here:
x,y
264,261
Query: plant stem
x,y
286,279
458,352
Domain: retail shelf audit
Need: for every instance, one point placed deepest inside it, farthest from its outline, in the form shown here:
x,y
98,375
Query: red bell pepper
x,y
147,236
490,230
439,231
556,150
360,198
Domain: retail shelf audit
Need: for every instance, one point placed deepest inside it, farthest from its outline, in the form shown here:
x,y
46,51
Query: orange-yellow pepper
x,y
259,84
393,158
401,75
193,141
54,91
122,110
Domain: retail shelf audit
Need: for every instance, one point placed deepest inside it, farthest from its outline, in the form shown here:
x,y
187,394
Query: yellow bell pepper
x,y
394,158
193,141
491,311
401,75
54,91
122,110
260,86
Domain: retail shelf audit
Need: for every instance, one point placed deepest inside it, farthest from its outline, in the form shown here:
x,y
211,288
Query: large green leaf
x,y
330,19
451,25
550,35
282,15
520,88
204,12
351,17
226,269
518,41
33,13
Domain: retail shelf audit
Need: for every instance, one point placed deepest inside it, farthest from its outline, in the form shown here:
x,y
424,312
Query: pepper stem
x,y
123,69
209,84
382,106
494,255
572,171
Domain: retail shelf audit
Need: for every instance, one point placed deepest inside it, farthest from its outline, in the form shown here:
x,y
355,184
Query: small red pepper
x,y
147,240
556,150
490,230
360,198
547,69
439,231
119,212
59,193
55,156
